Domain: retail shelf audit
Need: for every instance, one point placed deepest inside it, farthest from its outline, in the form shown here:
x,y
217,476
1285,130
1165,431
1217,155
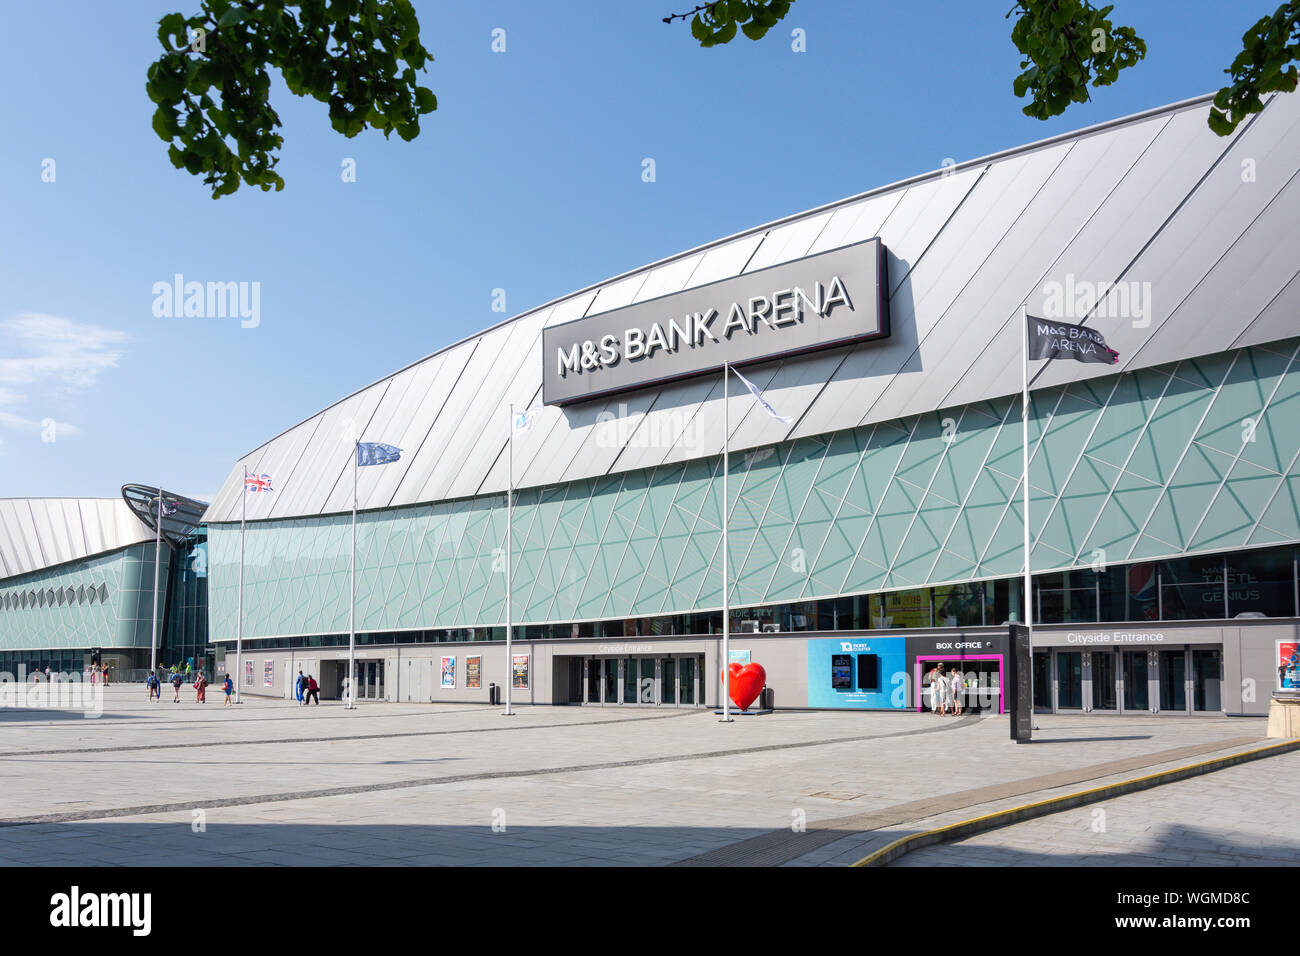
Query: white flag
x,y
523,420
762,401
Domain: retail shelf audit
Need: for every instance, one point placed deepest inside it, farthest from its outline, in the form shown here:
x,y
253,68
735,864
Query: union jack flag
x,y
257,482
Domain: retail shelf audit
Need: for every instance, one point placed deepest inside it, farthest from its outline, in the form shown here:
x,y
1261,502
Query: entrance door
x,y
576,667
1069,680
646,687
1207,678
594,679
687,671
1173,681
667,681
1133,666
1043,680
1103,680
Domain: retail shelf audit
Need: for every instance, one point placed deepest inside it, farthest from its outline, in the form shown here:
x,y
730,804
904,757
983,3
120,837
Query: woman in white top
x,y
937,695
957,685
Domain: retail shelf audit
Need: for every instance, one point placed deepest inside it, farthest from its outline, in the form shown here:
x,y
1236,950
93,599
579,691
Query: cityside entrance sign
x,y
832,298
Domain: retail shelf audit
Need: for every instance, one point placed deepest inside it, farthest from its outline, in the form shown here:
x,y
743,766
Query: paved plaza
x,y
270,782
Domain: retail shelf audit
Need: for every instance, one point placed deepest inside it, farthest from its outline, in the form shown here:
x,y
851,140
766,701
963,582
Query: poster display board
x,y
268,673
1288,665
473,673
519,671
248,672
449,672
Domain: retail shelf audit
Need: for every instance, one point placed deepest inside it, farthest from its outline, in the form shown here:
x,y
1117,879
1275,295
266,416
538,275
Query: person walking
x,y
936,695
229,688
956,689
201,689
176,686
301,686
155,690
313,691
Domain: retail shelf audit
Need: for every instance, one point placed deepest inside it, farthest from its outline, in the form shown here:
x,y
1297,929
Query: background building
x,y
880,531
77,576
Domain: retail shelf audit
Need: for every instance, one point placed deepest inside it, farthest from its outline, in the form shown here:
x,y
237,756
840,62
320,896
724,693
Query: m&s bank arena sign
x,y
832,298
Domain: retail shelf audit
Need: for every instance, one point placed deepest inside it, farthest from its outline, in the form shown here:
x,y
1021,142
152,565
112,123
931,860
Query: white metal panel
x,y
723,262
325,462
792,386
617,294
1255,270
400,484
908,230
519,384
674,430
73,522
857,221
668,278
1230,249
788,242
1277,321
1149,192
389,423
51,553
974,269
19,557
507,351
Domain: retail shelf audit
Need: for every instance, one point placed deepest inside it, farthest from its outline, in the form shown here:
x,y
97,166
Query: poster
x,y
449,672
248,672
268,673
1288,665
741,657
519,671
473,672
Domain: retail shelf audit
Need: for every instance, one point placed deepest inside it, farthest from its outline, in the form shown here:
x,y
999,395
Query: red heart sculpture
x,y
746,683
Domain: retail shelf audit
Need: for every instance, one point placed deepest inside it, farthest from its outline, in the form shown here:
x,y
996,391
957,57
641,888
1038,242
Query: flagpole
x,y
510,514
352,588
157,547
1027,614
726,515
239,625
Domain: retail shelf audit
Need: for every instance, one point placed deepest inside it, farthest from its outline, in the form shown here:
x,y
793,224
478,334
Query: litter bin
x,y
494,694
765,699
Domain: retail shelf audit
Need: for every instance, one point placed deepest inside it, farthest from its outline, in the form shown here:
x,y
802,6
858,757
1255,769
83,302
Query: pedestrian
x,y
176,685
957,686
155,691
201,689
936,697
313,691
301,685
938,687
229,688
47,673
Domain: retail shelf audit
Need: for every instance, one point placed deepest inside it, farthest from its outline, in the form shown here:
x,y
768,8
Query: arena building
x,y
77,583
877,532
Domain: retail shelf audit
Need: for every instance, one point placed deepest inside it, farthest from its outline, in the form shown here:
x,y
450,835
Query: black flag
x,y
1049,340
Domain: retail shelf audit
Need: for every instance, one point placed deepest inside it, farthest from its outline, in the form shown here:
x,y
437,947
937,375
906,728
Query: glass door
x,y
646,687
1173,680
1069,680
610,665
1043,680
1134,668
687,665
1103,680
1207,677
668,681
630,681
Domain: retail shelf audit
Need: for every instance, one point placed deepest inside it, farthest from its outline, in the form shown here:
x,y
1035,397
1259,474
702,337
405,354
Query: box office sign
x,y
832,298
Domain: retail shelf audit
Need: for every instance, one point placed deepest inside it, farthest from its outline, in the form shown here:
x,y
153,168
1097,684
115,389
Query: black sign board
x,y
1022,684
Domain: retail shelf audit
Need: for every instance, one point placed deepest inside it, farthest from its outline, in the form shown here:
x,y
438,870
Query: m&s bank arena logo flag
x,y
1049,340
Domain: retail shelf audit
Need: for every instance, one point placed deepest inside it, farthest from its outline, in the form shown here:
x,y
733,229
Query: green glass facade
x,y
104,601
1197,456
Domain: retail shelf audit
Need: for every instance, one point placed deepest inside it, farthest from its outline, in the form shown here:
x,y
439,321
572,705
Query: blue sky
x,y
527,178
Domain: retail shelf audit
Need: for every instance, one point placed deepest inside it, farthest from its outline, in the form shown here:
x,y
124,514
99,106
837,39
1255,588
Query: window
x,y
1068,597
959,605
1192,589
1261,584
901,609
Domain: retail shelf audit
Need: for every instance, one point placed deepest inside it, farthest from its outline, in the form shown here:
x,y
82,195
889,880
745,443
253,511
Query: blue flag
x,y
376,453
